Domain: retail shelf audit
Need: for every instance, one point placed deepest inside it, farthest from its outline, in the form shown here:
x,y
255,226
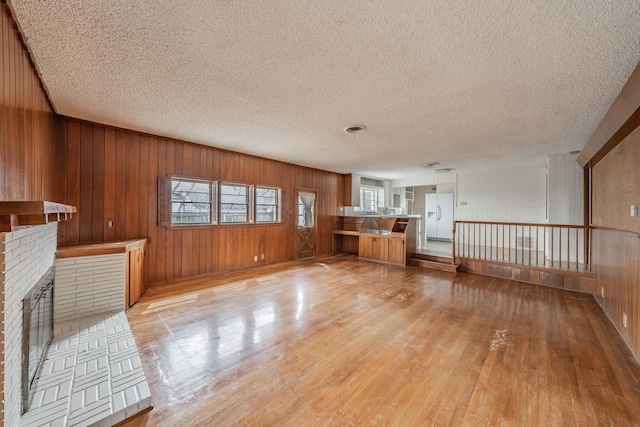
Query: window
x,y
234,203
197,202
192,202
306,209
268,204
371,198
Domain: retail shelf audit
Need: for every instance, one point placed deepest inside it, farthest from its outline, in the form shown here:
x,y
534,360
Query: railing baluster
x,y
474,240
537,239
529,245
502,242
492,239
509,244
577,244
552,230
568,248
484,240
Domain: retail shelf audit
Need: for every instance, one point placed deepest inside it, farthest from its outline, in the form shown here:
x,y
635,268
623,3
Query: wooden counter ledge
x,y
17,215
102,248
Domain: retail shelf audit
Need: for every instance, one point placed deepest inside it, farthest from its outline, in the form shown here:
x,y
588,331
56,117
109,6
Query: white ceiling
x,y
468,83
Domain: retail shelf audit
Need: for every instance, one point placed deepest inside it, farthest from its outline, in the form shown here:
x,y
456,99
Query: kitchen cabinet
x,y
374,247
397,253
389,239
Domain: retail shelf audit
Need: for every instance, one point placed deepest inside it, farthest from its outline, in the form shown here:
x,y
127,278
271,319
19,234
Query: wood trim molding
x,y
16,215
622,118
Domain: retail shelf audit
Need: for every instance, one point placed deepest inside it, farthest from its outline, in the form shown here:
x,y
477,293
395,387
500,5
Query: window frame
x,y
213,209
277,205
378,201
248,204
165,203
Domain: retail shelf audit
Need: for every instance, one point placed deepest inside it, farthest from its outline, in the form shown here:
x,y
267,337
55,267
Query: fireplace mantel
x,y
18,215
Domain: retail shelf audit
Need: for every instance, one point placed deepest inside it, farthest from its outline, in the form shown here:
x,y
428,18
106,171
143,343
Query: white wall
x,y
566,204
515,194
566,190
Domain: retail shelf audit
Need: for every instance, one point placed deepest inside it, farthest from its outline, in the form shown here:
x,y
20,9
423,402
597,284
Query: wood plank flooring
x,y
342,341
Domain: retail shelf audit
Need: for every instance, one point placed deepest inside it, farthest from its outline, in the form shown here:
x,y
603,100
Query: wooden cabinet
x,y
134,266
397,253
374,247
381,238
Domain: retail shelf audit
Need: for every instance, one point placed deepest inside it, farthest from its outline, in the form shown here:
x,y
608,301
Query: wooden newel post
x,y
453,245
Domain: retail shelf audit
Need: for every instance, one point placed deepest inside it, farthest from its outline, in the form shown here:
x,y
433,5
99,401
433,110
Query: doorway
x,y
306,223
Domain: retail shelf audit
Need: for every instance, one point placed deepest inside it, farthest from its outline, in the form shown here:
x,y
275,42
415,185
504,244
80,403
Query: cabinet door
x,y
135,274
365,246
381,248
396,251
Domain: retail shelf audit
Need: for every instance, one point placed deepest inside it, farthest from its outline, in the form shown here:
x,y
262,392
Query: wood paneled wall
x,y
111,174
616,265
616,186
29,167
28,126
616,245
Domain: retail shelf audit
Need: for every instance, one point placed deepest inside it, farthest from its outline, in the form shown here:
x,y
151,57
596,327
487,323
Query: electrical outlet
x,y
262,257
635,211
255,258
602,291
624,320
110,223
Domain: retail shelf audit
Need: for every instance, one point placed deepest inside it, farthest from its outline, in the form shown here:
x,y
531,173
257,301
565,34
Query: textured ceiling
x,y
469,83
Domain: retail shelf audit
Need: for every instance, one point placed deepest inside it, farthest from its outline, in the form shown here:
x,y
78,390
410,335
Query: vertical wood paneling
x,y
32,153
616,245
29,134
144,187
73,180
120,186
86,181
132,186
152,207
616,266
123,184
109,183
97,185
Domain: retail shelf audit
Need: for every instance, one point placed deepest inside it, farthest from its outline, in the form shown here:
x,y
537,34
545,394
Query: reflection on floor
x,y
343,341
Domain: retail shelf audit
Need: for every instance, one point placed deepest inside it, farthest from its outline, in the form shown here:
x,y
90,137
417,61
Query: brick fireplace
x,y
25,257
92,373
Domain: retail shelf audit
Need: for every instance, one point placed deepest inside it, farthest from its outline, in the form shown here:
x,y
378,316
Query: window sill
x,y
225,225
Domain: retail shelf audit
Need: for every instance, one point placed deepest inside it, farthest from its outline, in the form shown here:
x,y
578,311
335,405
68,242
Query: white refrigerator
x,y
439,216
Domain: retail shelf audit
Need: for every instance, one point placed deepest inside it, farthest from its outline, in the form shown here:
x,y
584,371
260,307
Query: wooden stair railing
x,y
549,246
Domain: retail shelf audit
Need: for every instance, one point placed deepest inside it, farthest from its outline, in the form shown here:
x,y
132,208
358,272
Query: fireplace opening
x,y
37,332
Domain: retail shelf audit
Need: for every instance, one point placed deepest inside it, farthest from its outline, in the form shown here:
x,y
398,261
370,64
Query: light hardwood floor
x,y
341,341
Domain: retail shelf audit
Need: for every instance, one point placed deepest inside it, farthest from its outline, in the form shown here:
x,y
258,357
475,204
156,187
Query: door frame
x,y
315,221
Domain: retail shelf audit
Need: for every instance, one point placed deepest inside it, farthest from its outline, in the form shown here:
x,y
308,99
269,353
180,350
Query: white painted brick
x,y
77,401
27,255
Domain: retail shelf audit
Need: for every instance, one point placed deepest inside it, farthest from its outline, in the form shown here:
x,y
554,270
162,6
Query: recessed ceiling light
x,y
356,129
430,165
444,170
